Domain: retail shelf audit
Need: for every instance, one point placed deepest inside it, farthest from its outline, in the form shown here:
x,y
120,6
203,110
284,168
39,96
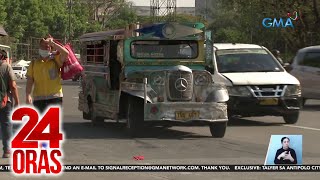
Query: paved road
x,y
246,142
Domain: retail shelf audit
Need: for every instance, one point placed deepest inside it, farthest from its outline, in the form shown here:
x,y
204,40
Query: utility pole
x,y
251,23
206,11
69,29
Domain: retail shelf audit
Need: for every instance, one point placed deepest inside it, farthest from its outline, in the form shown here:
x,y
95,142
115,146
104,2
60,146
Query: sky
x,y
180,3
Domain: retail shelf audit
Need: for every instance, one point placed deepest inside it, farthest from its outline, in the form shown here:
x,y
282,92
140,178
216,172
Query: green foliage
x,y
241,21
3,13
124,16
230,35
38,18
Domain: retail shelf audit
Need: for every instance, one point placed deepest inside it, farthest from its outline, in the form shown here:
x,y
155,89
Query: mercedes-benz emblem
x,y
181,84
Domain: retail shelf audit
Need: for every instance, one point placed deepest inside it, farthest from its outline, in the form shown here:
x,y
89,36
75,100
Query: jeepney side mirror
x,y
210,69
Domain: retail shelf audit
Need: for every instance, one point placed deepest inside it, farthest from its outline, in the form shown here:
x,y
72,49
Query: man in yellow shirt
x,y
45,77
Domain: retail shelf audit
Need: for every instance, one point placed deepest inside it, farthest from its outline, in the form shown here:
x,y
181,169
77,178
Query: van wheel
x,y
291,118
95,120
135,116
218,129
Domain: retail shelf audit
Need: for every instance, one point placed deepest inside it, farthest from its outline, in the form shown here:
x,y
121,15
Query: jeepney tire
x,y
291,118
218,129
231,118
86,116
135,117
95,120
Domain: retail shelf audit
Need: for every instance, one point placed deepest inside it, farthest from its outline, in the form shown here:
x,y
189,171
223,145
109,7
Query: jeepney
x,y
152,75
9,52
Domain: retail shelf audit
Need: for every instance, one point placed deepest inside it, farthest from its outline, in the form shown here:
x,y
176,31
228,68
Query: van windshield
x,y
246,60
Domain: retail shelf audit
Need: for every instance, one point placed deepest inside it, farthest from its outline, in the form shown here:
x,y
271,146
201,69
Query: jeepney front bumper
x,y
185,112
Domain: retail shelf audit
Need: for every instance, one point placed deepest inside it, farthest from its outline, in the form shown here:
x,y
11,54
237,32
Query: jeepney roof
x,y
4,46
102,35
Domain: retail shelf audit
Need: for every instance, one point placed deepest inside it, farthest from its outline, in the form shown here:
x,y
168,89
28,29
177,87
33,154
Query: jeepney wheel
x,y
135,117
95,120
86,116
218,129
291,118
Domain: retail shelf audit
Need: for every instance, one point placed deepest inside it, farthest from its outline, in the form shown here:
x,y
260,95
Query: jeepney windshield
x,y
164,49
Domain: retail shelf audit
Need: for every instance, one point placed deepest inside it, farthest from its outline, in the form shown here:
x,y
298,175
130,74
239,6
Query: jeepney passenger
x,y
115,66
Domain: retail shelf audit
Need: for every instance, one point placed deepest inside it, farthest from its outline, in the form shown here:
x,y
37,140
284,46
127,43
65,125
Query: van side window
x,y
311,59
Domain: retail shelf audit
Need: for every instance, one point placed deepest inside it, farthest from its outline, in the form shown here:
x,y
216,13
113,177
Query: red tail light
x,y
154,109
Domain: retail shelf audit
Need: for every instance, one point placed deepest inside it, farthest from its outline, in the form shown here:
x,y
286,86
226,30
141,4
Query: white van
x,y
20,71
257,83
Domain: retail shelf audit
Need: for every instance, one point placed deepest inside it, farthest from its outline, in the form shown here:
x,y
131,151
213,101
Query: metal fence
x,y
27,49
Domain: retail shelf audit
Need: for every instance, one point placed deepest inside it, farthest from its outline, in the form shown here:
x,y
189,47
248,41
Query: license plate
x,y
269,101
185,115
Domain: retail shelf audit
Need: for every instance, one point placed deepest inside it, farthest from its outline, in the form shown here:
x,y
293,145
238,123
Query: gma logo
x,y
276,23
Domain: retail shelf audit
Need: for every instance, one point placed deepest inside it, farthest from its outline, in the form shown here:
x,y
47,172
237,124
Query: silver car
x,y
306,68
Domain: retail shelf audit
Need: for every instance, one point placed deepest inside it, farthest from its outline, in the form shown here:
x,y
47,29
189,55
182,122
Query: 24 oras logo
x,y
281,22
36,147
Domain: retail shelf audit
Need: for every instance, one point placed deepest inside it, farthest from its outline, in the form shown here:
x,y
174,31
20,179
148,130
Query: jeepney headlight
x,y
201,80
158,80
238,91
293,90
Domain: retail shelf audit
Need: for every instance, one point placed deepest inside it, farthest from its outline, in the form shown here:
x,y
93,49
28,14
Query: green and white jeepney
x,y
155,75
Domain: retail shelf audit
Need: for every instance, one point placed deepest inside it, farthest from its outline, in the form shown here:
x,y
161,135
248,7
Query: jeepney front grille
x,y
267,90
180,86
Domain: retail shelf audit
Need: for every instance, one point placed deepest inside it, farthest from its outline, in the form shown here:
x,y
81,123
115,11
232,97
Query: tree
x,y
16,22
241,21
123,17
3,13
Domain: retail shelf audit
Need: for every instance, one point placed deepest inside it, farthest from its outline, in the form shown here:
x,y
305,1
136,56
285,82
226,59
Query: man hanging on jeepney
x,y
45,76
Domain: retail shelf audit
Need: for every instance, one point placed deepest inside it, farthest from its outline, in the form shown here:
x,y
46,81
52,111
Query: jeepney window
x,y
95,53
164,49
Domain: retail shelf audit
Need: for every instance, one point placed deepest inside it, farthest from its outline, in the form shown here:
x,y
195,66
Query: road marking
x,y
301,127
19,87
75,97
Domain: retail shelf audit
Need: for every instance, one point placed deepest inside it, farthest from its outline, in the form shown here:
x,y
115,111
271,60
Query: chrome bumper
x,y
166,111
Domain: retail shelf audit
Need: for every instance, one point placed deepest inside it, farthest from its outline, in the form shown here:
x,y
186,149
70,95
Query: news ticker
x,y
183,168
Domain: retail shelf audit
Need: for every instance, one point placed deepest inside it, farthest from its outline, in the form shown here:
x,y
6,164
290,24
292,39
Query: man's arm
x,y
29,89
14,90
13,86
63,51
